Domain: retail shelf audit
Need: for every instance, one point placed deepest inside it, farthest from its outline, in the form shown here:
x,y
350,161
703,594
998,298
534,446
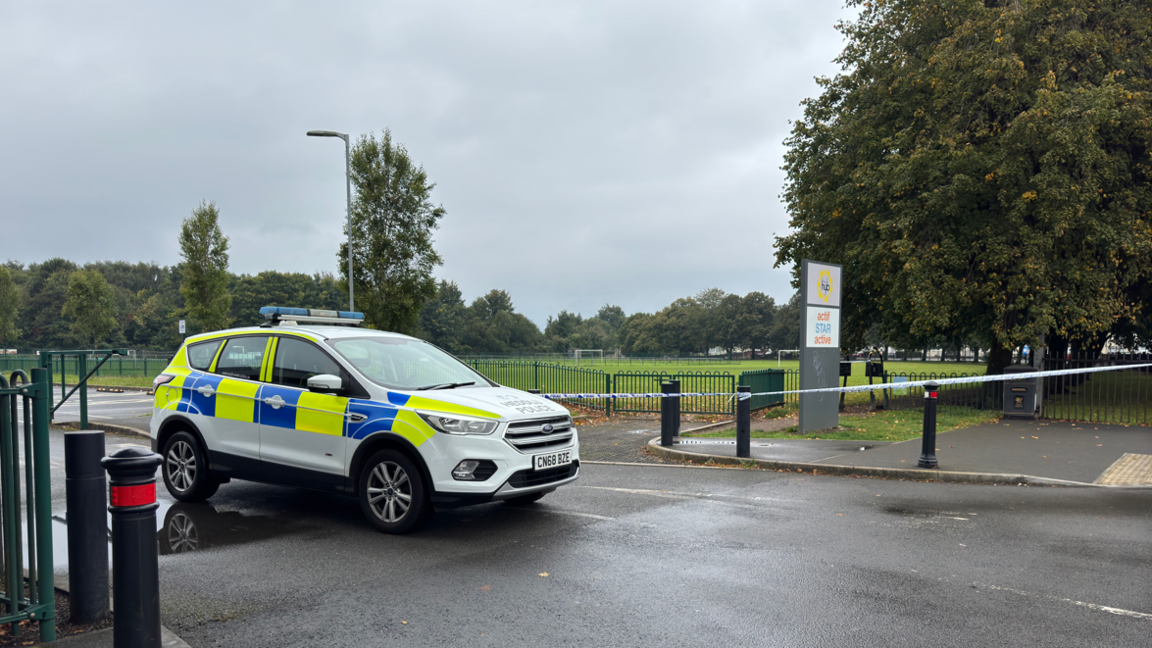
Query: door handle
x,y
276,402
206,390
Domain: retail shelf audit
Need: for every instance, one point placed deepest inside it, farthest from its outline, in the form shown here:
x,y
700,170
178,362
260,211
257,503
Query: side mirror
x,y
326,384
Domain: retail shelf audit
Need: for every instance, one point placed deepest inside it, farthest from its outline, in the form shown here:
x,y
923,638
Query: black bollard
x,y
136,573
675,408
87,526
744,422
928,450
667,427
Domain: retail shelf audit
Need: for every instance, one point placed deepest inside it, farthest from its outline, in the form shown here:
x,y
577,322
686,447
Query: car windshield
x,y
401,363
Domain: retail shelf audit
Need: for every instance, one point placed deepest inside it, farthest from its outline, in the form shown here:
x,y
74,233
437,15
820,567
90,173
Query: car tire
x,y
185,469
393,495
526,499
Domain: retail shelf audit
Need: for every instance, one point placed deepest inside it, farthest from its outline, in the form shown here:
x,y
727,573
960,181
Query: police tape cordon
x,y
858,388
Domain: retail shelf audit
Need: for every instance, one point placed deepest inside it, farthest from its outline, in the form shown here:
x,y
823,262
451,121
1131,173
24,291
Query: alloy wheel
x,y
389,492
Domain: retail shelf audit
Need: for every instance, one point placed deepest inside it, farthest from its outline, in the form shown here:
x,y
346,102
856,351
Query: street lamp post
x,y
348,189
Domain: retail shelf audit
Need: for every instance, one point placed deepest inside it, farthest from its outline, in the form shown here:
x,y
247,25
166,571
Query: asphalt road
x,y
668,556
132,408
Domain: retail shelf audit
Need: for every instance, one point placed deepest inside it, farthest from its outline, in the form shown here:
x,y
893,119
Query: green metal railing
x,y
131,367
633,382
977,395
48,362
550,378
765,380
566,379
31,525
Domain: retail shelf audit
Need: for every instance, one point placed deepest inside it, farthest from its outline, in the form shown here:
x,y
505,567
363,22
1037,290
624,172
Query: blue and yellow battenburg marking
x,y
244,401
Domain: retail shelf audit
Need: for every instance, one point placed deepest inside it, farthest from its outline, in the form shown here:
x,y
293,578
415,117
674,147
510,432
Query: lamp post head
x,y
324,133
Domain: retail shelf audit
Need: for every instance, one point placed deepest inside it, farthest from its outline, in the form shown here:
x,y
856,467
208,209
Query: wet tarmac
x,y
669,556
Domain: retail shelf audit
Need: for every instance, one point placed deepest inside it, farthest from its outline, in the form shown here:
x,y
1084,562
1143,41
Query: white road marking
x,y
587,515
1090,606
657,493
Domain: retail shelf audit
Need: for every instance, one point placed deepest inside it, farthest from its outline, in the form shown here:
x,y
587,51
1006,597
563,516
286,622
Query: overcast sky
x,y
586,152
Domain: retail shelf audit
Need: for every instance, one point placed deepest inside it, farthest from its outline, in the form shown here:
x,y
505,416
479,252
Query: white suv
x,y
308,400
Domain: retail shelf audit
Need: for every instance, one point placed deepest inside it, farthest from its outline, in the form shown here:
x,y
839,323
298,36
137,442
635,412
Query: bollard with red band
x,y
928,449
135,563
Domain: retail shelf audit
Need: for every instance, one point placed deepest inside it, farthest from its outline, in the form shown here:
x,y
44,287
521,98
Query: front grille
x,y
529,436
530,478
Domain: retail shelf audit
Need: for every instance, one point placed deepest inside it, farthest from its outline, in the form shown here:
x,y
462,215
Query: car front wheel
x,y
393,495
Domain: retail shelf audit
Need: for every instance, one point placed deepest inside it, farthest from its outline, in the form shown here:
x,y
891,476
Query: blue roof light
x,y
311,314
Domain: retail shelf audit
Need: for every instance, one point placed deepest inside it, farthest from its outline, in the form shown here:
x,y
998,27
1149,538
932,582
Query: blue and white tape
x,y
859,388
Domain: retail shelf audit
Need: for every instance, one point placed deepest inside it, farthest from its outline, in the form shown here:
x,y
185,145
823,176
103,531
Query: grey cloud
x,y
586,152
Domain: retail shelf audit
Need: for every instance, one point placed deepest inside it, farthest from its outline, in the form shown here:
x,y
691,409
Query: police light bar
x,y
283,315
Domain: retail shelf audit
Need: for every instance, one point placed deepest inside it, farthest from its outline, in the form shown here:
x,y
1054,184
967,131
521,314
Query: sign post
x,y
820,284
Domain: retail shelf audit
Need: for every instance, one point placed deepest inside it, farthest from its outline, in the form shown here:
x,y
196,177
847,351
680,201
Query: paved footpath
x,y
1084,453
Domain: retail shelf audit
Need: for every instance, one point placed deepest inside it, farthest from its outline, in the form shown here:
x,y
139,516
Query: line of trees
x,y
59,304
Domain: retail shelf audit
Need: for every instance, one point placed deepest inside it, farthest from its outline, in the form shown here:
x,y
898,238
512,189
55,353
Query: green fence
x,y
647,382
24,416
550,379
765,380
119,366
976,395
565,379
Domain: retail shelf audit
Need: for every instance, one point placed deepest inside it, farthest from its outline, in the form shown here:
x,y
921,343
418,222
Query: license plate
x,y
551,460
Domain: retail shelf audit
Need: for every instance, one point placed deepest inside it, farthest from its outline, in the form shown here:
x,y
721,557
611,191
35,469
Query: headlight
x,y
450,424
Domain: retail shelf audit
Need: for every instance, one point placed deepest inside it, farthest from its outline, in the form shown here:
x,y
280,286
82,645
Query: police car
x,y
310,399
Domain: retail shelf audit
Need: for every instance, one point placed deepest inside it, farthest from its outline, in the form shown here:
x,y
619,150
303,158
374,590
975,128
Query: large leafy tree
x,y
392,222
91,306
981,169
204,249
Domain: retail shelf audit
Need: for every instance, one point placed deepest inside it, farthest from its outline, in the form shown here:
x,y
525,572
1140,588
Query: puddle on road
x,y
182,528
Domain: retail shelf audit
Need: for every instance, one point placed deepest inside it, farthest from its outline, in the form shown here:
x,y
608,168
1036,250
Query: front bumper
x,y
523,482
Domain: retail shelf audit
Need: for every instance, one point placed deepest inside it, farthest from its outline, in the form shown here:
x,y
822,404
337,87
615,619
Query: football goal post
x,y
791,354
588,355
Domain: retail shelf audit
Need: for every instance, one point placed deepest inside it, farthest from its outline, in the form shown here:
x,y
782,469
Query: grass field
x,y
736,368
900,425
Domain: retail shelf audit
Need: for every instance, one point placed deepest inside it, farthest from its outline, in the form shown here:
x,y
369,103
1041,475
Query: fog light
x,y
464,471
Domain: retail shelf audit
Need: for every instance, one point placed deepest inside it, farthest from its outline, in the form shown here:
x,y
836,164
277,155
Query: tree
x,y
9,306
494,327
204,249
91,306
392,222
786,324
47,292
981,170
443,319
754,321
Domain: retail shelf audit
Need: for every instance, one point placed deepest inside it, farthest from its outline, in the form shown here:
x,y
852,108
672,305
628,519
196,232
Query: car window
x,y
297,361
200,355
402,363
242,357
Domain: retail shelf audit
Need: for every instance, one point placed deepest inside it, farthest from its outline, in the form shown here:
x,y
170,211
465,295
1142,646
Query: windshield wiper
x,y
446,385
